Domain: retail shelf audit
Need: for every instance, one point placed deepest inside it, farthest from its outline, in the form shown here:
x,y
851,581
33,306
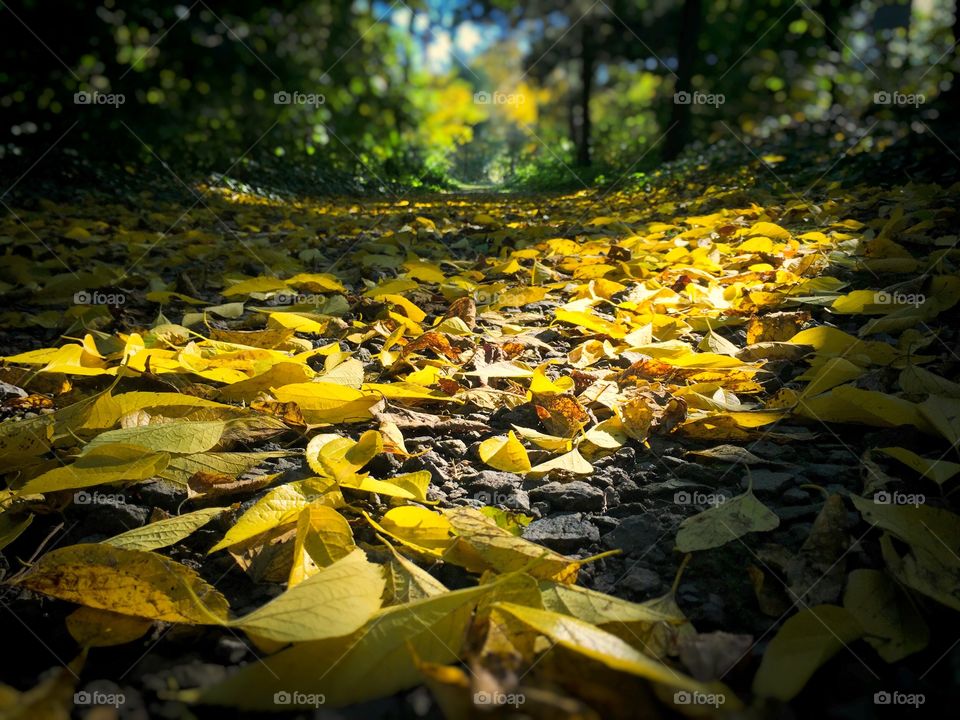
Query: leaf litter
x,y
316,399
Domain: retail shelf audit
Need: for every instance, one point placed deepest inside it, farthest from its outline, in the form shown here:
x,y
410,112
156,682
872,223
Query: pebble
x,y
642,581
575,495
795,496
492,481
768,482
564,533
635,534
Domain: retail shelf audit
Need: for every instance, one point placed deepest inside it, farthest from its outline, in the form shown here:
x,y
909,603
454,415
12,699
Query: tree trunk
x,y
586,88
688,37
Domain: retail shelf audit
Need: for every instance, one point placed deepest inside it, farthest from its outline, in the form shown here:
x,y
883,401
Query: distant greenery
x,y
562,94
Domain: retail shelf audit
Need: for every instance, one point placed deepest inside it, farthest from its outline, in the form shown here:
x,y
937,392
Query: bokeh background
x,y
434,92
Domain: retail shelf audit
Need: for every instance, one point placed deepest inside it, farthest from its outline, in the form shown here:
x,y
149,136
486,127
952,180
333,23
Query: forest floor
x,y
685,446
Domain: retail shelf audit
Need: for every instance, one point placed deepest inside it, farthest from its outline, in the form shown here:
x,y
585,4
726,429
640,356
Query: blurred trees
x,y
558,84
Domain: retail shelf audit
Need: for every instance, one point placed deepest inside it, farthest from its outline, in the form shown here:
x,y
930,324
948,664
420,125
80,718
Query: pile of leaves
x,y
253,371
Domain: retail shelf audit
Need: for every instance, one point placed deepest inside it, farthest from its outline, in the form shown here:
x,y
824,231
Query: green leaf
x,y
729,521
164,533
804,643
891,622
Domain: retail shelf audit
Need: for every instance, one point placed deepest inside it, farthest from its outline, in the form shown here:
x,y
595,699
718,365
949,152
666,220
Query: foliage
x,y
201,346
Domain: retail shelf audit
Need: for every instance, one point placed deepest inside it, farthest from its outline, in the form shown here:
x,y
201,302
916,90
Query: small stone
x,y
796,511
230,650
611,497
605,523
642,581
795,496
623,457
768,482
615,475
712,610
518,500
493,481
635,534
575,495
161,494
453,447
563,533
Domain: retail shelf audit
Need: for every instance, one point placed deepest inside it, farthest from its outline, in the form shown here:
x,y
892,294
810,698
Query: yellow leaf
x,y
770,230
279,506
108,463
591,323
254,285
410,486
91,627
373,662
335,602
482,545
937,470
571,462
592,642
418,528
505,453
316,282
129,582
323,402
